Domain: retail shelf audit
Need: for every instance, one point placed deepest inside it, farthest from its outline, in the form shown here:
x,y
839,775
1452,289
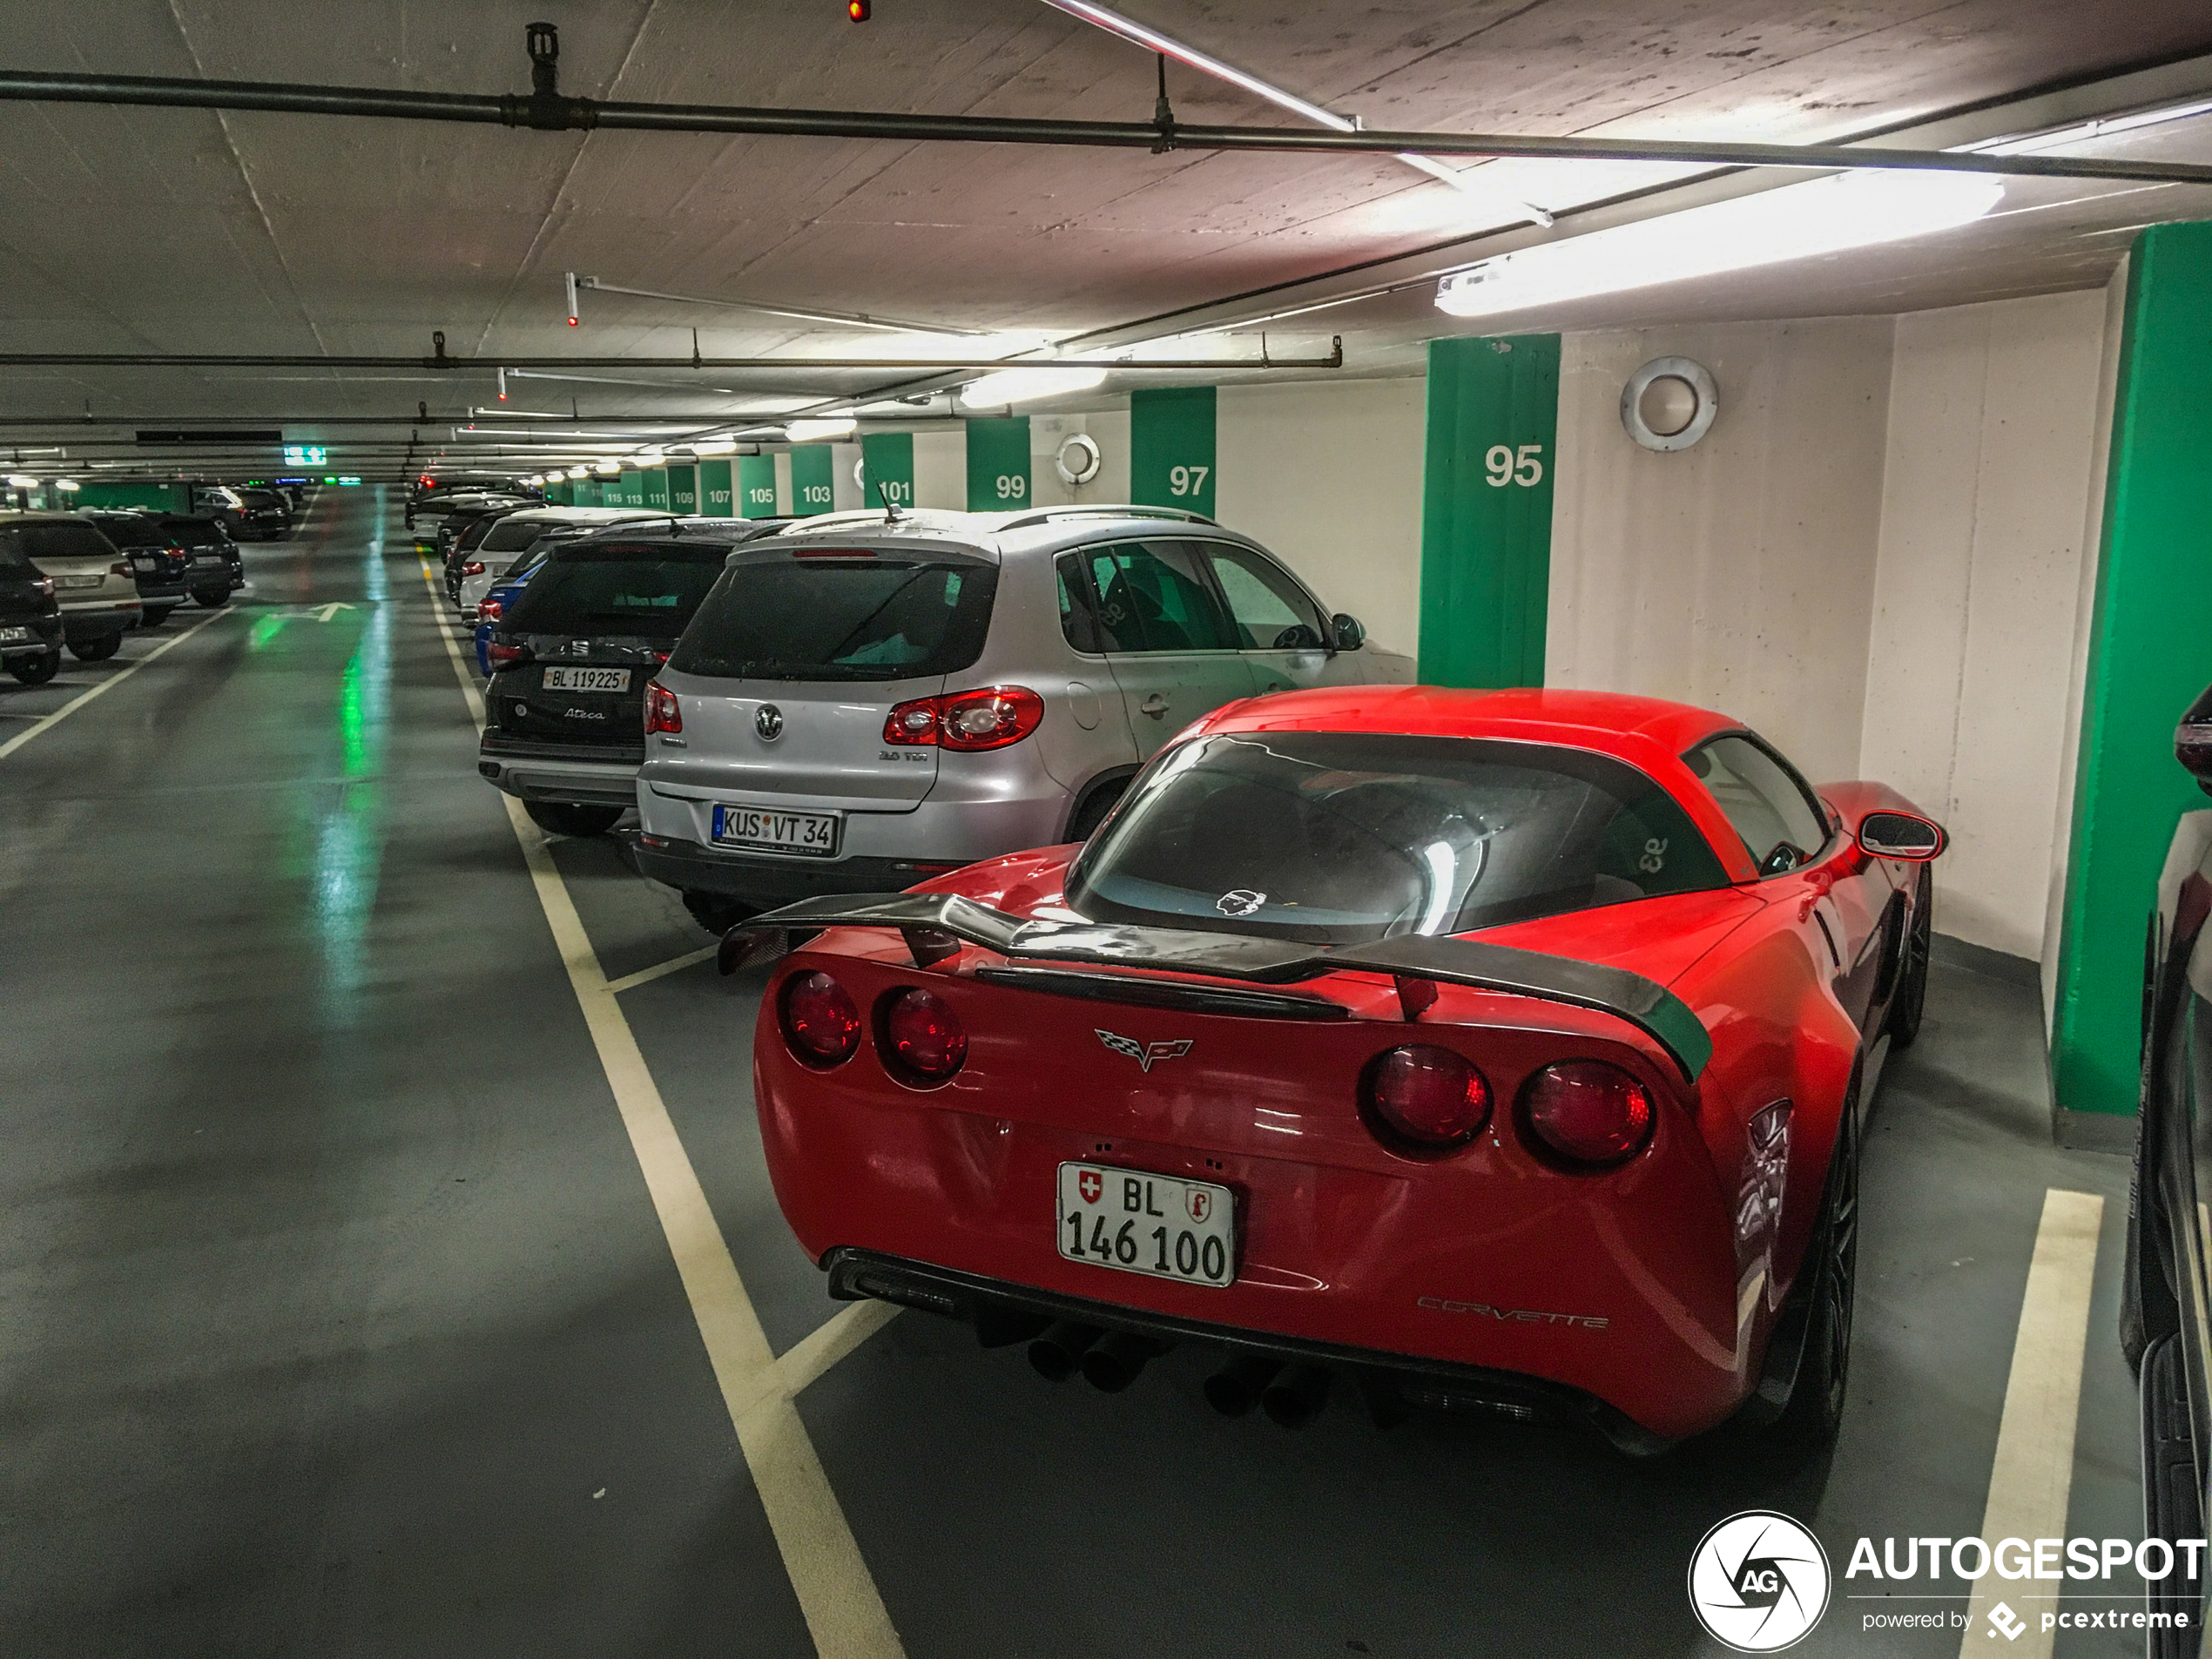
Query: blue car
x,y
495,603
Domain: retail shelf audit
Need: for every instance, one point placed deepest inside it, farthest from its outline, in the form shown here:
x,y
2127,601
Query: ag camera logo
x,y
1758,1582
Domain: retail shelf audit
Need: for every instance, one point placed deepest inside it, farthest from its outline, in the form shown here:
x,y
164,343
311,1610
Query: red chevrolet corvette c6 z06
x,y
1493,1051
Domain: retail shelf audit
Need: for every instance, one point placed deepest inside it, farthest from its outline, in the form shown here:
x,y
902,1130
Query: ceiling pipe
x,y
802,313
1151,39
547,111
440,362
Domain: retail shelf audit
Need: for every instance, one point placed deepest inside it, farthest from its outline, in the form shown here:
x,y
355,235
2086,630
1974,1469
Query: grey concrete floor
x,y
332,1301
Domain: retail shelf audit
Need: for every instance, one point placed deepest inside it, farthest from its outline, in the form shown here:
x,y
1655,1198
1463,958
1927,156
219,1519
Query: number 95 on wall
x,y
1503,464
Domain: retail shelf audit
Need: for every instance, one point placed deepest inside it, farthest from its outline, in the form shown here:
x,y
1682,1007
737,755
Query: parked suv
x,y
244,518
570,657
97,589
506,539
160,565
216,570
862,704
31,621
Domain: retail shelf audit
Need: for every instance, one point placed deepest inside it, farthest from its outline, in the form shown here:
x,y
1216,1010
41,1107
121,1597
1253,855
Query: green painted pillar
x,y
998,464
757,486
2150,655
812,470
560,495
589,492
716,491
1487,510
1171,447
887,461
657,488
684,489
631,484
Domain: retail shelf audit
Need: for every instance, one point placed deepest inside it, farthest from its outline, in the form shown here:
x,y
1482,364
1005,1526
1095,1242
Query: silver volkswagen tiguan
x,y
863,702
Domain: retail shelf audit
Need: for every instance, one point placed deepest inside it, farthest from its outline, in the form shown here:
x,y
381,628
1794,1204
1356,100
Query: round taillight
x,y
1427,1095
821,1021
1587,1111
922,1036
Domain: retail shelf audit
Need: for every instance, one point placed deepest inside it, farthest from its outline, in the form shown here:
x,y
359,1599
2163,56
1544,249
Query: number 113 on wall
x,y
1502,464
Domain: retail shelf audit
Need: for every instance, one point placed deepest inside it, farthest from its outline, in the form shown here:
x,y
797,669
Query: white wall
x,y
1991,443
941,469
1735,575
1328,474
2093,525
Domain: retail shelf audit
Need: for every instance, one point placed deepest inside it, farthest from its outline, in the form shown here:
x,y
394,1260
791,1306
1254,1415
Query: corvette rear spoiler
x,y
933,924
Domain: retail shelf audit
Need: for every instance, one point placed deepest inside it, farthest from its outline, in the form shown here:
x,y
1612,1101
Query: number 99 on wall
x,y
1012,486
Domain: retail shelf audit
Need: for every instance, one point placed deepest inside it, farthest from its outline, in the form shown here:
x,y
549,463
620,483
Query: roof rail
x,y
1054,514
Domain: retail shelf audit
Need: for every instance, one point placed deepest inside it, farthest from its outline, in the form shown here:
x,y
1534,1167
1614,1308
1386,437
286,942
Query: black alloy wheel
x,y
571,818
1911,995
213,598
98,649
154,616
36,671
1815,1407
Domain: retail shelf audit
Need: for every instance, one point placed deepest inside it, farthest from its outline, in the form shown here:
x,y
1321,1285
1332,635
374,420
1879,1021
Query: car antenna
x,y
890,512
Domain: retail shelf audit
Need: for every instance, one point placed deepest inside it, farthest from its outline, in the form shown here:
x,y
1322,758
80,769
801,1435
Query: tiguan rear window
x,y
1340,837
819,616
649,590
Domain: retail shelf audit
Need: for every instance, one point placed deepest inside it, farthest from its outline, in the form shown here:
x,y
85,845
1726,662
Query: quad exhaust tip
x,y
1059,1349
1295,1396
1112,1364
1236,1388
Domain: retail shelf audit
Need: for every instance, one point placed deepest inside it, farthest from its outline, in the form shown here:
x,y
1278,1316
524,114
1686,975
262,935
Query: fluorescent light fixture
x,y
70,485
1152,40
820,427
608,466
1796,222
1028,385
22,481
713,446
651,456
579,472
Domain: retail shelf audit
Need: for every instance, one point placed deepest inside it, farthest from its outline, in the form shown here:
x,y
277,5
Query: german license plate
x,y
1155,1224
587,679
10,636
813,833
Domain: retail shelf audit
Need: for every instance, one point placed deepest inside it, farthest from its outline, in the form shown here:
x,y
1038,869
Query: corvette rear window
x,y
862,617
1334,838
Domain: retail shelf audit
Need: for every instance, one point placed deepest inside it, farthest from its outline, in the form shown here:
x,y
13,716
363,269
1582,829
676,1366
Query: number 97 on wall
x,y
1502,464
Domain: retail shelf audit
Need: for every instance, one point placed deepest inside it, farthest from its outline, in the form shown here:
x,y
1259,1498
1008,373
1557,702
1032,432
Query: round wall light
x,y
1669,403
1078,460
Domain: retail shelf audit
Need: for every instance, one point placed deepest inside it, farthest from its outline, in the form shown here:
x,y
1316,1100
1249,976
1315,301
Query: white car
x,y
513,536
94,581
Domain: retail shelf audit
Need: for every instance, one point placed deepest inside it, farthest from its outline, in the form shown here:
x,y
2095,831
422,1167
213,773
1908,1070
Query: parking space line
x,y
90,692
836,1594
2031,1476
661,970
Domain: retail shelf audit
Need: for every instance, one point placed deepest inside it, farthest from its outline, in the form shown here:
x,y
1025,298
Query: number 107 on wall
x,y
1502,464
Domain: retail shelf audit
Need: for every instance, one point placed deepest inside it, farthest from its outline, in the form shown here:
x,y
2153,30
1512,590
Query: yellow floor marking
x,y
836,1593
2032,1475
108,684
661,970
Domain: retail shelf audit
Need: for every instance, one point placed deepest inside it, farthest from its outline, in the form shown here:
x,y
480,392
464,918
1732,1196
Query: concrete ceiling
x,y
145,229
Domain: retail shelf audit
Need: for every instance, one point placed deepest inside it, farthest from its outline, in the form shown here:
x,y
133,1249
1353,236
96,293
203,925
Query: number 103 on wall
x,y
1502,464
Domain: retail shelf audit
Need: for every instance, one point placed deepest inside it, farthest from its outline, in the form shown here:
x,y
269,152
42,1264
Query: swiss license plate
x,y
587,679
10,636
1155,1224
813,833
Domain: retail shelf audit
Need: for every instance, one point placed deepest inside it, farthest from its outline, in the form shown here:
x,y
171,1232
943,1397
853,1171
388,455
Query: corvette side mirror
x,y
1349,631
1901,835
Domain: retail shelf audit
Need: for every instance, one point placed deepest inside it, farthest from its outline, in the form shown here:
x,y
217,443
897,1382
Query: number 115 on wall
x,y
1502,464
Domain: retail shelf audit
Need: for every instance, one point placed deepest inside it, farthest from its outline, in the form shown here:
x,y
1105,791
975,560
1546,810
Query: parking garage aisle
x,y
333,1317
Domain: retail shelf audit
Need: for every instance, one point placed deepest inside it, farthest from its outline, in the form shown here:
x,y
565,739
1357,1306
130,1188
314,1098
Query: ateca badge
x,y
1758,1582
